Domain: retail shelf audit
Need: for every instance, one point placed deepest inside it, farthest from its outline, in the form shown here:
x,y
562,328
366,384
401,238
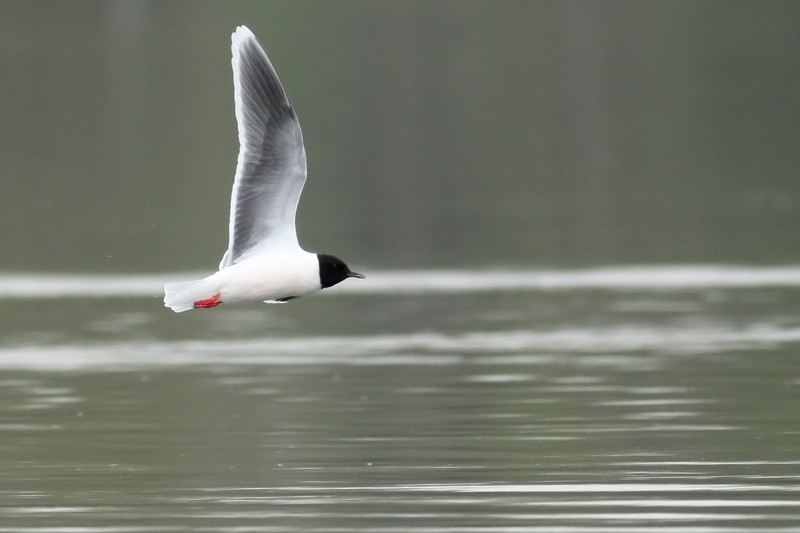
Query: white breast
x,y
269,277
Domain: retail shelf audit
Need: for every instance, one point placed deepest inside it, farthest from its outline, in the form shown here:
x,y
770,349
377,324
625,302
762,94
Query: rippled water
x,y
627,399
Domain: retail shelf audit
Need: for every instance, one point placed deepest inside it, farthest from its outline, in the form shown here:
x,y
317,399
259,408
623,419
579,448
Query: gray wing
x,y
271,168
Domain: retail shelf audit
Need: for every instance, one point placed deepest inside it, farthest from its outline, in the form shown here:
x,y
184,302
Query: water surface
x,y
622,399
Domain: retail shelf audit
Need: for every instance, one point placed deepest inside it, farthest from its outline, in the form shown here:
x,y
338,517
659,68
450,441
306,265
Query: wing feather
x,y
271,167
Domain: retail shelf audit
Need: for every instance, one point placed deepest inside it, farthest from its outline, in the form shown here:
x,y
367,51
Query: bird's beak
x,y
355,275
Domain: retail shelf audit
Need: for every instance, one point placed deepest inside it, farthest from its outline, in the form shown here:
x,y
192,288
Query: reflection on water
x,y
610,400
673,277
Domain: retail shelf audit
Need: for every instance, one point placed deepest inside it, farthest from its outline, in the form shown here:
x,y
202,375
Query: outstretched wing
x,y
271,168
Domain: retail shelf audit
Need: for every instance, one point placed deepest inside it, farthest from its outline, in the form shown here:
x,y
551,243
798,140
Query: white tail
x,y
181,296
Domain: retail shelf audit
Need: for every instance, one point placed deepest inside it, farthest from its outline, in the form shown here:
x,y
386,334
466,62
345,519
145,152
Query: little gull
x,y
264,260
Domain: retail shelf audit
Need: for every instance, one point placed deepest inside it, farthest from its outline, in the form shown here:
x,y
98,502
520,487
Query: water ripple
x,y
626,343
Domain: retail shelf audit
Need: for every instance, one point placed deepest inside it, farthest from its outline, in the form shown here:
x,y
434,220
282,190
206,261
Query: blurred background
x,y
439,134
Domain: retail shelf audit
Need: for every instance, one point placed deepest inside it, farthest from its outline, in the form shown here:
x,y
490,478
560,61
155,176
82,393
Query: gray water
x,y
627,399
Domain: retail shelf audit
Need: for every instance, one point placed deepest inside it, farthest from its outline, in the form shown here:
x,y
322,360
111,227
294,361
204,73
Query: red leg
x,y
208,302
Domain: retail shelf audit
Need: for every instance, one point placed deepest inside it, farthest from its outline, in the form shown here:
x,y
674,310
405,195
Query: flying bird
x,y
264,260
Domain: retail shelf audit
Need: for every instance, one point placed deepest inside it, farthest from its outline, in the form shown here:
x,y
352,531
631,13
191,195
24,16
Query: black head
x,y
332,270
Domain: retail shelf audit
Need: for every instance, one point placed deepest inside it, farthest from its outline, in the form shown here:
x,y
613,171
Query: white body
x,y
266,277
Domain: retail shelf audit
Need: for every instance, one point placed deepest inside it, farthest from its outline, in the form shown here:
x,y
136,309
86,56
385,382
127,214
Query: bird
x,y
264,261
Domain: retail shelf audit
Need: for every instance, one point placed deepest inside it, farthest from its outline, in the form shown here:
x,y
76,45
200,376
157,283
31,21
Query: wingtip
x,y
241,33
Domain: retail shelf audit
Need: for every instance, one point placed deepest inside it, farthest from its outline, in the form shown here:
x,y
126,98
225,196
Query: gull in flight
x,y
264,260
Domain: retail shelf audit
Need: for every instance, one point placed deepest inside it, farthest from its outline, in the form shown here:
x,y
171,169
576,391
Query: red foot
x,y
208,302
